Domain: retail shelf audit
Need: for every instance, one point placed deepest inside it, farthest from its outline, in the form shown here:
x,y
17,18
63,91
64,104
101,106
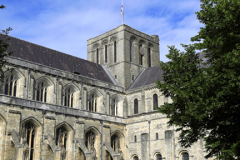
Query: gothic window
x,y
28,135
135,158
114,107
115,143
135,138
185,156
159,157
61,137
11,85
93,103
140,55
149,57
156,135
97,56
155,101
68,97
135,106
131,51
90,140
42,92
106,56
115,51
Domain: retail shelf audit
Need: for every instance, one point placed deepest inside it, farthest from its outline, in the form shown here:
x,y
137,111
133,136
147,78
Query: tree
x,y
3,47
205,86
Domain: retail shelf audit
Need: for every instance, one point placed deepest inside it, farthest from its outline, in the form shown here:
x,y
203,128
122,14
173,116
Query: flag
x,y
122,12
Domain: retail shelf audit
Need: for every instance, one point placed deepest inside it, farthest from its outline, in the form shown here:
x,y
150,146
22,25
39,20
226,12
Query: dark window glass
x,y
155,101
185,156
61,137
159,157
135,106
136,158
140,55
149,57
133,77
115,51
90,140
131,51
11,86
106,58
42,92
156,135
135,138
97,54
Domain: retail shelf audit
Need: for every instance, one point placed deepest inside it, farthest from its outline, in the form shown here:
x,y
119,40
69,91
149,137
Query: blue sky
x,y
67,25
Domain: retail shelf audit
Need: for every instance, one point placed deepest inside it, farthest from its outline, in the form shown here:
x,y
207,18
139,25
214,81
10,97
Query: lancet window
x,y
97,56
115,143
90,140
159,157
149,57
131,51
114,107
11,85
115,51
61,137
42,92
68,97
185,156
106,56
155,101
135,106
93,103
28,135
141,53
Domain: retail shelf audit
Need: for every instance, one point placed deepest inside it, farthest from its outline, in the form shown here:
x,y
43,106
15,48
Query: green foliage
x,y
206,95
3,47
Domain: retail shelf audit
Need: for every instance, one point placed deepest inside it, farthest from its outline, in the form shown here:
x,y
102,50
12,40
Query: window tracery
x,y
115,143
68,97
90,140
93,103
42,91
11,85
114,107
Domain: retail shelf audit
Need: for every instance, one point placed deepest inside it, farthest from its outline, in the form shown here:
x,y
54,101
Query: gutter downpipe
x,y
149,122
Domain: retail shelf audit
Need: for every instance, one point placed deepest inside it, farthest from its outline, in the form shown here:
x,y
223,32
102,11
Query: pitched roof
x,y
148,76
52,58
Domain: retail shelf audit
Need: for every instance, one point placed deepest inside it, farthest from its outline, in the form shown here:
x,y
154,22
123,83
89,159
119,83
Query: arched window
x,y
97,56
68,97
158,157
155,101
11,85
185,156
114,107
61,137
115,51
42,92
115,143
135,138
106,56
141,53
149,57
93,103
135,106
90,140
131,51
28,134
135,158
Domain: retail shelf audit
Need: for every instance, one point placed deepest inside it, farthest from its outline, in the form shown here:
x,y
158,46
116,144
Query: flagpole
x,y
122,13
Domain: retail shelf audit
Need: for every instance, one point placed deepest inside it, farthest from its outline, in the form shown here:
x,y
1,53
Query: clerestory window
x,y
93,103
11,85
42,92
68,97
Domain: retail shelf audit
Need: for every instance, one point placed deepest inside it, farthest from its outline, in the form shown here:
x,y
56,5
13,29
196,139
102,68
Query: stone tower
x,y
126,52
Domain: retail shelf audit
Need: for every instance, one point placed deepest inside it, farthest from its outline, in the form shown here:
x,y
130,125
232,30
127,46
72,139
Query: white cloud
x,y
67,26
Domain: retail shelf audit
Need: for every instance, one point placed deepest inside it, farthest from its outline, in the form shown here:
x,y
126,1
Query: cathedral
x,y
54,106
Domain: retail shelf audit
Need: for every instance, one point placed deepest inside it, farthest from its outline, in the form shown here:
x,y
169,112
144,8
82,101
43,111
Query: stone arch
x,y
104,42
66,125
142,42
113,38
117,132
95,92
156,153
44,79
14,71
96,45
181,152
135,155
93,129
133,38
72,86
150,45
31,132
117,97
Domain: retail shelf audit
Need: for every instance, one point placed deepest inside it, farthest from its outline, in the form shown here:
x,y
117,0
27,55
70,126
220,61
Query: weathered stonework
x,y
90,129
